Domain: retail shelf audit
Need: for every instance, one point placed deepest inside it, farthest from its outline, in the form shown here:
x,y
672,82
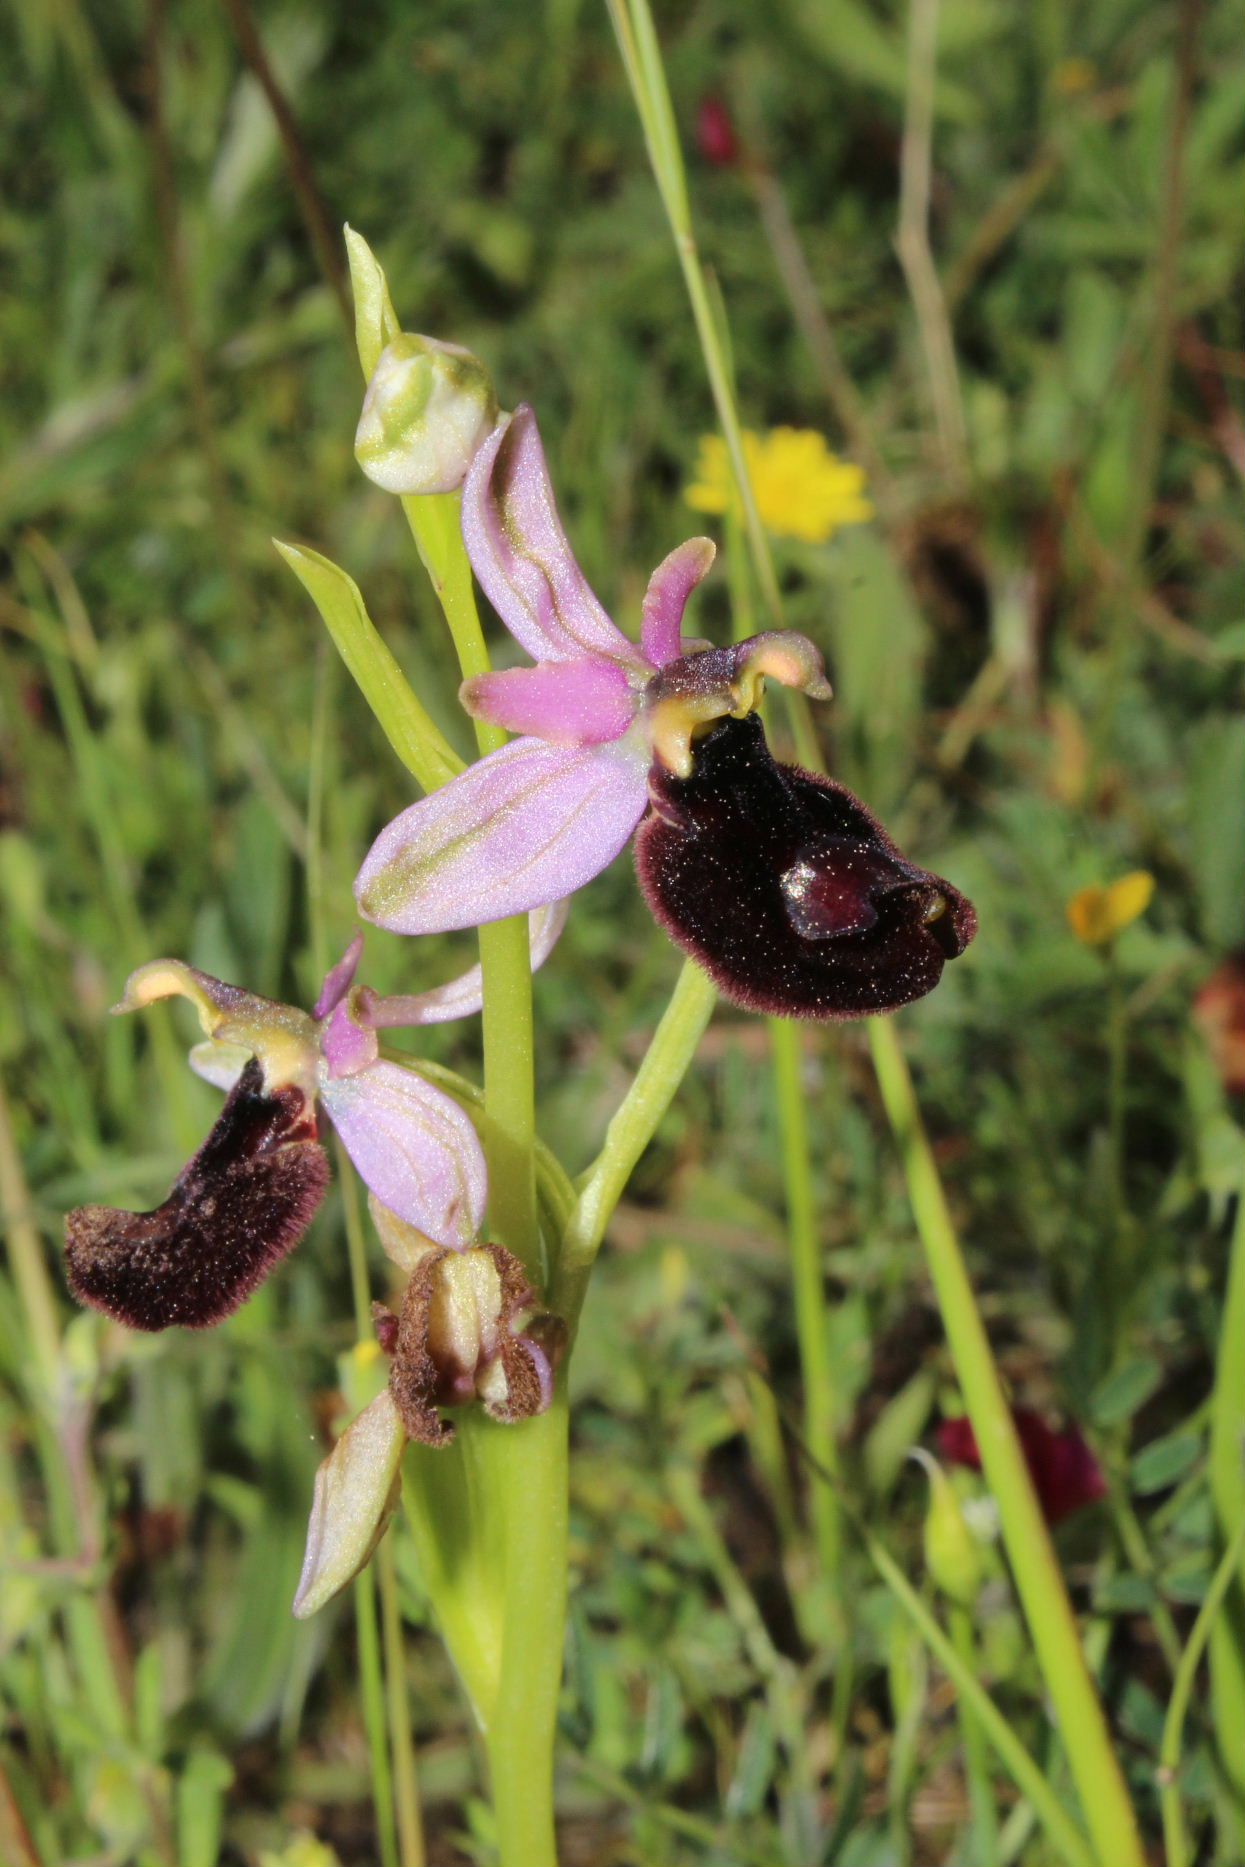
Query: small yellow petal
x,y
1096,915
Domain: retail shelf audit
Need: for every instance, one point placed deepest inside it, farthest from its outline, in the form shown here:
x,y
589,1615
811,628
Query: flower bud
x,y
427,409
952,1553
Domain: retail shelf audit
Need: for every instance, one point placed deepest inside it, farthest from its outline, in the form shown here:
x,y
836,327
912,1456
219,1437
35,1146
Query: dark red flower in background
x,y
1219,1013
1064,1471
715,133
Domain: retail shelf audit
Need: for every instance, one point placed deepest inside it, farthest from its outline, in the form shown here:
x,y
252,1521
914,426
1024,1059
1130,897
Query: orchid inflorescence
x,y
778,882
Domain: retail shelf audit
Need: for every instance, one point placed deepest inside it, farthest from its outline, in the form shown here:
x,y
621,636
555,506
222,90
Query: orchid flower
x,y
779,883
469,1327
542,816
246,1198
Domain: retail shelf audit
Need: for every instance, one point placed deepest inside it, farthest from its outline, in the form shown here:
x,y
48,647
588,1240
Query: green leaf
x,y
1163,1461
1119,1396
200,1808
1123,1594
897,1429
401,718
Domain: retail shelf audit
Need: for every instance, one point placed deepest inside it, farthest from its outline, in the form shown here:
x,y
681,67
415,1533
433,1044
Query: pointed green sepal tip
x,y
355,1493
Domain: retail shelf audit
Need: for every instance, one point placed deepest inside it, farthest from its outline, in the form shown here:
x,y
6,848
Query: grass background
x,y
1037,653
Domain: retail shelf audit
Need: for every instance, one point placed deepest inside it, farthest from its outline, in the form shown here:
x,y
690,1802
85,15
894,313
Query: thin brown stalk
x,y
321,231
814,327
912,241
1156,381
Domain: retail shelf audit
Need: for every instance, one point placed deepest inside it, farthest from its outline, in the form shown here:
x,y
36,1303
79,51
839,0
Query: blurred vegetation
x,y
1037,652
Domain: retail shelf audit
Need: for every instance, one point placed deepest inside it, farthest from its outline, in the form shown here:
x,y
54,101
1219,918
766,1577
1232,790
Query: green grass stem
x,y
984,1822
1039,1581
1175,1836
641,56
821,1411
409,1820
633,1126
1227,1486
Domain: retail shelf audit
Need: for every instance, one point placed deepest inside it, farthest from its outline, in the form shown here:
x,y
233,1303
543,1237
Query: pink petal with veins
x,y
520,828
414,1148
666,598
570,703
520,553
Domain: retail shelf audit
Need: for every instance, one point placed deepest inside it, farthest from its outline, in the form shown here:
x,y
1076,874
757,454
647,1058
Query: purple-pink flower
x,y
539,818
245,1199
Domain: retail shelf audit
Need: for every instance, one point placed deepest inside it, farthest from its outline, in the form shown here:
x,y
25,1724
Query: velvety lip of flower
x,y
1065,1473
247,1196
542,816
819,915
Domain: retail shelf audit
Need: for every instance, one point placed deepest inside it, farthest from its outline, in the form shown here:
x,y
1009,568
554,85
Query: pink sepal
x,y
520,828
569,703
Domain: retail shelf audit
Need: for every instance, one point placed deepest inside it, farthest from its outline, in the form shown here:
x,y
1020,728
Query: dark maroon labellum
x,y
238,1207
786,890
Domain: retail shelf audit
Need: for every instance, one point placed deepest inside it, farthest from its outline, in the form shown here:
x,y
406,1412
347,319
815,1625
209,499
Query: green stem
x,y
1039,1583
509,1090
525,1467
665,1064
641,55
1175,1840
29,1266
1227,1486
520,1471
808,1288
372,1701
984,1847
1019,1765
405,1782
394,1789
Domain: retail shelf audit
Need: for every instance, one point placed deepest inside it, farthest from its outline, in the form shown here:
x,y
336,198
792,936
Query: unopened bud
x,y
427,409
952,1553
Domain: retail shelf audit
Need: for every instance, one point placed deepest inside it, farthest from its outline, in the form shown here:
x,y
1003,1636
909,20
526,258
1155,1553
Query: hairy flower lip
x,y
237,1208
787,890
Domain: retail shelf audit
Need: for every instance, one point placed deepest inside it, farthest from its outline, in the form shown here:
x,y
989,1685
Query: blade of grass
x,y
1039,1581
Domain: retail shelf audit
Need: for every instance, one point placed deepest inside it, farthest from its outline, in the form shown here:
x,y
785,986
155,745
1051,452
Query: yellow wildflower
x,y
802,489
1096,915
